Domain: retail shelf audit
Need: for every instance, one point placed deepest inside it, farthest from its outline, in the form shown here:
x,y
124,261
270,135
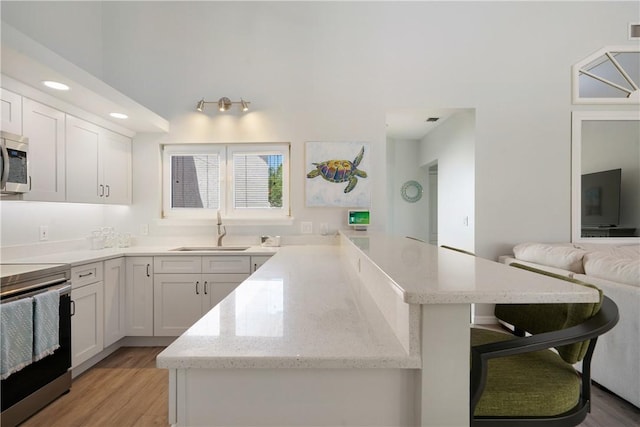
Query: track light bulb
x,y
224,104
200,106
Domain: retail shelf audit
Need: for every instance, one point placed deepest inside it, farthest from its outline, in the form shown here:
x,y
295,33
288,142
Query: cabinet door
x,y
257,261
86,323
11,109
139,296
45,128
82,162
114,302
177,302
218,286
115,163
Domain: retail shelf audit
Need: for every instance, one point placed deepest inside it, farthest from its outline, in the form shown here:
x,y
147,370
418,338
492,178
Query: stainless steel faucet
x,y
222,230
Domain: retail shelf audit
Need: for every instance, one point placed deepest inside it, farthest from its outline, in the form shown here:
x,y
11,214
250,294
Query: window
x,y
240,180
608,76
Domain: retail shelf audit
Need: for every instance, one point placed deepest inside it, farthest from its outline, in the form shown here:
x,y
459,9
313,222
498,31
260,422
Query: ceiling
x,y
407,123
29,63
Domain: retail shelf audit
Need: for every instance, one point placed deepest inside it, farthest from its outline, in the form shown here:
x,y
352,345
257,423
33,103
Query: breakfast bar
x,y
373,330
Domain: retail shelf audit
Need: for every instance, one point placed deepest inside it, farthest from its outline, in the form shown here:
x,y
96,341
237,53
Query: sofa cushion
x,y
559,255
631,250
613,268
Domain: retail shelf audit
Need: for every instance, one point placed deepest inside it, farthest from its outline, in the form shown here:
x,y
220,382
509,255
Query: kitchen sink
x,y
211,248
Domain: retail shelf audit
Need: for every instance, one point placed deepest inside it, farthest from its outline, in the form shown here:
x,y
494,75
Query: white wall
x,y
452,144
330,70
407,219
21,221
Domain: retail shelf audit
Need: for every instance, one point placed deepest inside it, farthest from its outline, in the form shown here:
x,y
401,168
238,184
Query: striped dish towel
x,y
16,336
46,320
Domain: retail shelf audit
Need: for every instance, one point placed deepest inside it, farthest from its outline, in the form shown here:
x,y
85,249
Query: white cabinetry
x,y
87,327
186,287
257,261
225,264
45,128
177,302
139,296
115,164
98,164
114,300
11,110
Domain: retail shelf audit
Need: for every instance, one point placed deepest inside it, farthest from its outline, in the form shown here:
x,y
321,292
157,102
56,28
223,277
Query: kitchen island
x,y
372,331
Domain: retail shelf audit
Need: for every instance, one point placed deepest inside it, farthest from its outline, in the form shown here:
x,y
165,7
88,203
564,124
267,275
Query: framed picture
x,y
338,174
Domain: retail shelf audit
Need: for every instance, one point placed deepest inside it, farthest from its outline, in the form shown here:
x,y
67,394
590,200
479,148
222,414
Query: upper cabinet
x,y
45,128
98,164
115,164
11,108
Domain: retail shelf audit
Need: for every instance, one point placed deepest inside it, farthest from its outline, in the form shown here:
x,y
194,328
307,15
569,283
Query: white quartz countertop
x,y
79,257
297,311
427,274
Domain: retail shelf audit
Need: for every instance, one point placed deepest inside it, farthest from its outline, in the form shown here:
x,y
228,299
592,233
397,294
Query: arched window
x,y
608,76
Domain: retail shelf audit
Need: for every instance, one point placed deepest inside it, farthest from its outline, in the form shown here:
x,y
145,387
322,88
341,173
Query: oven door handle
x,y
63,287
5,166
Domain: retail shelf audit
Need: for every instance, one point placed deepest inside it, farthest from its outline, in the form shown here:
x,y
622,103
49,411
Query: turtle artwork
x,y
340,171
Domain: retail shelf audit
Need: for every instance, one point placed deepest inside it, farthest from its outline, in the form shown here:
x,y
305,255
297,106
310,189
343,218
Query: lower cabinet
x,y
257,261
114,300
86,322
123,297
139,296
181,299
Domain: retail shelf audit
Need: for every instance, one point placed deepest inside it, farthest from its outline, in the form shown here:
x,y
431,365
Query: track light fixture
x,y
224,104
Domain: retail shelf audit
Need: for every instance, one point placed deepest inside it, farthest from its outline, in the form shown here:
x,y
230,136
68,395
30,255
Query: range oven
x,y
31,388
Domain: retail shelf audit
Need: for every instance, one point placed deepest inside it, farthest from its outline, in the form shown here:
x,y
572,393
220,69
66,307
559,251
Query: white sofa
x,y
615,269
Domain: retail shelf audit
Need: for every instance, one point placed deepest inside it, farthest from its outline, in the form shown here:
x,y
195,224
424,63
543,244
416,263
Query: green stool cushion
x,y
539,318
531,384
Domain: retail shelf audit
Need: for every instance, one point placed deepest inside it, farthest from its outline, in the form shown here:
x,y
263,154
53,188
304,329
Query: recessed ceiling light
x,y
55,85
119,115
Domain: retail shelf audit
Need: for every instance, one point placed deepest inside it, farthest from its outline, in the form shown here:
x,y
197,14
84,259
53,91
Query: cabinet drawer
x,y
226,264
177,264
86,274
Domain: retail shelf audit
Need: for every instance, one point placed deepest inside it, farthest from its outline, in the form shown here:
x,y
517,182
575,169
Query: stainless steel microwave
x,y
14,168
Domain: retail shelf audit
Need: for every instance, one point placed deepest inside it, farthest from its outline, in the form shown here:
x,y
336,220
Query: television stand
x,y
606,231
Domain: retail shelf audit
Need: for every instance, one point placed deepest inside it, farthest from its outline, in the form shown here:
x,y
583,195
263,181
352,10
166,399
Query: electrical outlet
x,y
144,229
44,233
306,227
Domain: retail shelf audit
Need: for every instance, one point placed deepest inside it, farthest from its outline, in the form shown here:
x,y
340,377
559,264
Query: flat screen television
x,y
601,198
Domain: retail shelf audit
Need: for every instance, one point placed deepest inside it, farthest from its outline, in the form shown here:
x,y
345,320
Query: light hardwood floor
x,y
126,389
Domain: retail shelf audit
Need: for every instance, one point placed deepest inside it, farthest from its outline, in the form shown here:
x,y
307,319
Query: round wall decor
x,y
411,191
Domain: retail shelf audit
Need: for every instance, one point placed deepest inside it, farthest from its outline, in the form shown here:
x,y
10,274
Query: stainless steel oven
x,y
31,388
14,167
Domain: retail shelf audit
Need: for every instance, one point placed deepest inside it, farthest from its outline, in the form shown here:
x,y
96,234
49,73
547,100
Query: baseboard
x,y
146,341
485,320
